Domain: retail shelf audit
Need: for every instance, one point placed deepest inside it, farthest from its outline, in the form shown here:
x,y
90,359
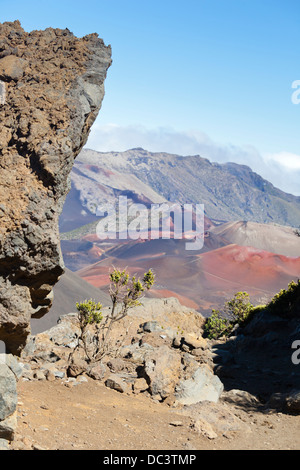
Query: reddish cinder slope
x,y
204,280
248,267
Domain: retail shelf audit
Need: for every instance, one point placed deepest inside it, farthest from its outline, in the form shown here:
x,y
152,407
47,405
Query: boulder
x,y
8,427
8,392
151,326
52,86
78,365
140,385
96,371
195,342
202,386
136,352
12,68
214,419
4,444
293,402
118,383
161,370
240,398
13,364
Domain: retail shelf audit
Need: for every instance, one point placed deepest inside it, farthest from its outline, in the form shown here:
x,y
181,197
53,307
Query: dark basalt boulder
x,y
51,90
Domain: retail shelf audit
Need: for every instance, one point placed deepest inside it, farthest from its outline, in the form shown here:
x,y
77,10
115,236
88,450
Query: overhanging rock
x,y
51,90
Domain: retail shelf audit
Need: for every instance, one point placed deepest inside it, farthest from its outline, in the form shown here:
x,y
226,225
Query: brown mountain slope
x,y
270,237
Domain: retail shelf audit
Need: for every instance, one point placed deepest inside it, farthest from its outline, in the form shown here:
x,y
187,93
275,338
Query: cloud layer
x,y
282,169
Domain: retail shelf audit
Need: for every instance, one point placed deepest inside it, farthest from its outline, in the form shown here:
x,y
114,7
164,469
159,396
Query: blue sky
x,y
212,77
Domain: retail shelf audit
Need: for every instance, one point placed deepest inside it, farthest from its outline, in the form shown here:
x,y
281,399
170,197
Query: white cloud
x,y
290,161
282,169
112,137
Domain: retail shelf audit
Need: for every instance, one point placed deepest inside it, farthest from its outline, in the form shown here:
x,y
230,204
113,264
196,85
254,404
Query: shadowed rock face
x,y
51,90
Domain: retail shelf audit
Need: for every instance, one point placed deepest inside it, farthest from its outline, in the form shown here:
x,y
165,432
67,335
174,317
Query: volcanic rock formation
x,y
51,90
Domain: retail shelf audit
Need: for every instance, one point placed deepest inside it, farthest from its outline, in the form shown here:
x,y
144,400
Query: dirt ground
x,y
90,416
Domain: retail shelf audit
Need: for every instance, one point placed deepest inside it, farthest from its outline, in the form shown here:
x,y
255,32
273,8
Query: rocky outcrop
x,y
51,90
223,386
155,356
10,372
259,359
158,355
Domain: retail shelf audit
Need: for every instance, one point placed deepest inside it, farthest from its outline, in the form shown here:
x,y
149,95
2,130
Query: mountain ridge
x,y
229,191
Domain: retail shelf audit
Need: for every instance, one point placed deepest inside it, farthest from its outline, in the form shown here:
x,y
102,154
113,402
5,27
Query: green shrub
x,y
238,308
216,326
125,293
89,312
286,302
237,311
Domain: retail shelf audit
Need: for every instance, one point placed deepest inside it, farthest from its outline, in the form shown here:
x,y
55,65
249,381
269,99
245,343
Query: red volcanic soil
x,y
98,274
95,252
248,267
204,280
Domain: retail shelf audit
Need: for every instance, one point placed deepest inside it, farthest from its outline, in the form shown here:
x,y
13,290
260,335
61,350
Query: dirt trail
x,y
89,416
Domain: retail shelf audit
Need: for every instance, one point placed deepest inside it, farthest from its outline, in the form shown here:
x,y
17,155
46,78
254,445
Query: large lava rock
x,y
51,90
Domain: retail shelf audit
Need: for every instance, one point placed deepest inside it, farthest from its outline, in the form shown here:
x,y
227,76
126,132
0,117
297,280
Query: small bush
x,y
216,326
125,293
286,303
238,308
89,312
237,311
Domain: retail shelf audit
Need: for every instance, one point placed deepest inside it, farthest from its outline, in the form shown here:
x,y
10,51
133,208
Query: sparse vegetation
x,y
125,293
239,310
235,312
216,326
286,302
89,313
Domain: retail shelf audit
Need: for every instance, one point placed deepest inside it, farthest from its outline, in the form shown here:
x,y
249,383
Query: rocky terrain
x,y
52,86
163,384
166,386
